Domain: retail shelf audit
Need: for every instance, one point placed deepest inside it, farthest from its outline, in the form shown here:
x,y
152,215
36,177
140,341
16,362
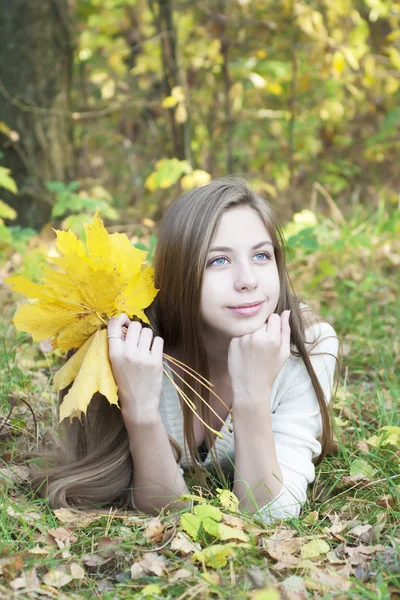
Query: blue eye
x,y
265,255
214,261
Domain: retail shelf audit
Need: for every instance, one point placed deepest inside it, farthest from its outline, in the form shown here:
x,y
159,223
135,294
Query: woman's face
x,y
240,270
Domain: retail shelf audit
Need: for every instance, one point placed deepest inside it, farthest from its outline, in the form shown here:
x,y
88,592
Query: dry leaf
x,y
233,521
184,545
386,501
293,588
327,579
10,566
77,518
94,560
110,547
154,531
63,536
179,574
40,551
359,530
28,581
57,578
76,571
150,563
282,550
14,473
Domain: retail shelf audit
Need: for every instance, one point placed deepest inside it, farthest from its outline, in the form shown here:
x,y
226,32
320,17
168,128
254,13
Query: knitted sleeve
x,y
297,424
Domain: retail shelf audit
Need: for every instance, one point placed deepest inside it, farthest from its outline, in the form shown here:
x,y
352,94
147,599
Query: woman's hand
x,y
136,363
255,359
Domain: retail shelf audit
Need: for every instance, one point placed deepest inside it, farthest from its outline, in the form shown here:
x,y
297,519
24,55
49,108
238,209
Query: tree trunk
x,y
35,81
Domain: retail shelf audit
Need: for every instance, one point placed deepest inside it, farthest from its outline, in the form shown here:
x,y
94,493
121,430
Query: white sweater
x,y
296,423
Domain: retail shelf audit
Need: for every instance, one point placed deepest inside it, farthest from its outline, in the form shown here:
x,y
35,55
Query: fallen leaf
x,y
360,467
218,554
211,577
183,544
363,446
94,560
365,549
327,579
293,588
154,531
28,581
359,530
57,578
64,537
258,577
234,521
109,547
40,551
150,563
225,532
191,524
76,571
284,534
386,501
228,500
179,574
266,594
151,590
314,548
333,558
280,550
14,474
390,436
10,566
76,517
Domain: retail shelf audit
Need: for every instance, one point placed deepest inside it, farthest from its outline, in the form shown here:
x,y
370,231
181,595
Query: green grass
x,y
352,277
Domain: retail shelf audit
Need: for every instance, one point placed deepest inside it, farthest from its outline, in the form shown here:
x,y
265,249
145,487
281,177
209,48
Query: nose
x,y
245,277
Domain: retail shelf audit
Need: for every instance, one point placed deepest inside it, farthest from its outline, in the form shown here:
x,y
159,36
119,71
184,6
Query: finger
x,y
133,335
157,348
115,324
274,327
115,336
146,337
285,340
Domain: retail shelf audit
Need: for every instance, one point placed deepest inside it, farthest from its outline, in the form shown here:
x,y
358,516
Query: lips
x,y
246,310
247,305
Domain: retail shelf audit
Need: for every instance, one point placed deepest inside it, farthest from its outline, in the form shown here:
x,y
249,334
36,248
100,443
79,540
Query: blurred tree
x,y
35,81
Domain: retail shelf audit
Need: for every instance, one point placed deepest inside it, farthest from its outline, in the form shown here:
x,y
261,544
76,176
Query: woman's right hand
x,y
136,363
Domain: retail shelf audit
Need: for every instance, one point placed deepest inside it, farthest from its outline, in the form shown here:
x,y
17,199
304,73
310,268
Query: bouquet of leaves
x,y
73,304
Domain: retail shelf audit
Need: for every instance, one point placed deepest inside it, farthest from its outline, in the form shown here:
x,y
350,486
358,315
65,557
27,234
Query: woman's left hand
x,y
255,359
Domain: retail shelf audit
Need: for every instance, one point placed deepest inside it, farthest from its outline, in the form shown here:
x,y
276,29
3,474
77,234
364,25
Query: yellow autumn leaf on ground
x,y
217,555
92,284
95,375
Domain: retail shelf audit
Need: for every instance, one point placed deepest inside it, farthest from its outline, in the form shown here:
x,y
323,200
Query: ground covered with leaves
x,y
346,543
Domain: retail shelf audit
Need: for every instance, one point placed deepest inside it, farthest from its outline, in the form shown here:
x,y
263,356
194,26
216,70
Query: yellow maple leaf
x,y
93,284
94,375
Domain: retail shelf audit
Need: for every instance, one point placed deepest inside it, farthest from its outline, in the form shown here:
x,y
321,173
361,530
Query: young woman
x,y
225,308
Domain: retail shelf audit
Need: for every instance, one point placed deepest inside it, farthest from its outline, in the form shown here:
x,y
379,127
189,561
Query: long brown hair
x,y
99,445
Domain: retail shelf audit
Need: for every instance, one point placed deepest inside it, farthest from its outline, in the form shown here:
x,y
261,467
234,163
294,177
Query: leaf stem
x,y
201,398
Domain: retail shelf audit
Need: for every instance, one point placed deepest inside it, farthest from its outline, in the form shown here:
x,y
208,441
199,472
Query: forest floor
x,y
346,543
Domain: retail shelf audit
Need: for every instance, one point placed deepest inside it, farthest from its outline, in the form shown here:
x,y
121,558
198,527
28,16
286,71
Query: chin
x,y
245,327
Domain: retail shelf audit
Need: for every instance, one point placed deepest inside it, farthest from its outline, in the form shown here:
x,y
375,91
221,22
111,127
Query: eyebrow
x,y
227,249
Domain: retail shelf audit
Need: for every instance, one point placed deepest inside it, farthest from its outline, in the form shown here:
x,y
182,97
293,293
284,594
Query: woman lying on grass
x,y
224,308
